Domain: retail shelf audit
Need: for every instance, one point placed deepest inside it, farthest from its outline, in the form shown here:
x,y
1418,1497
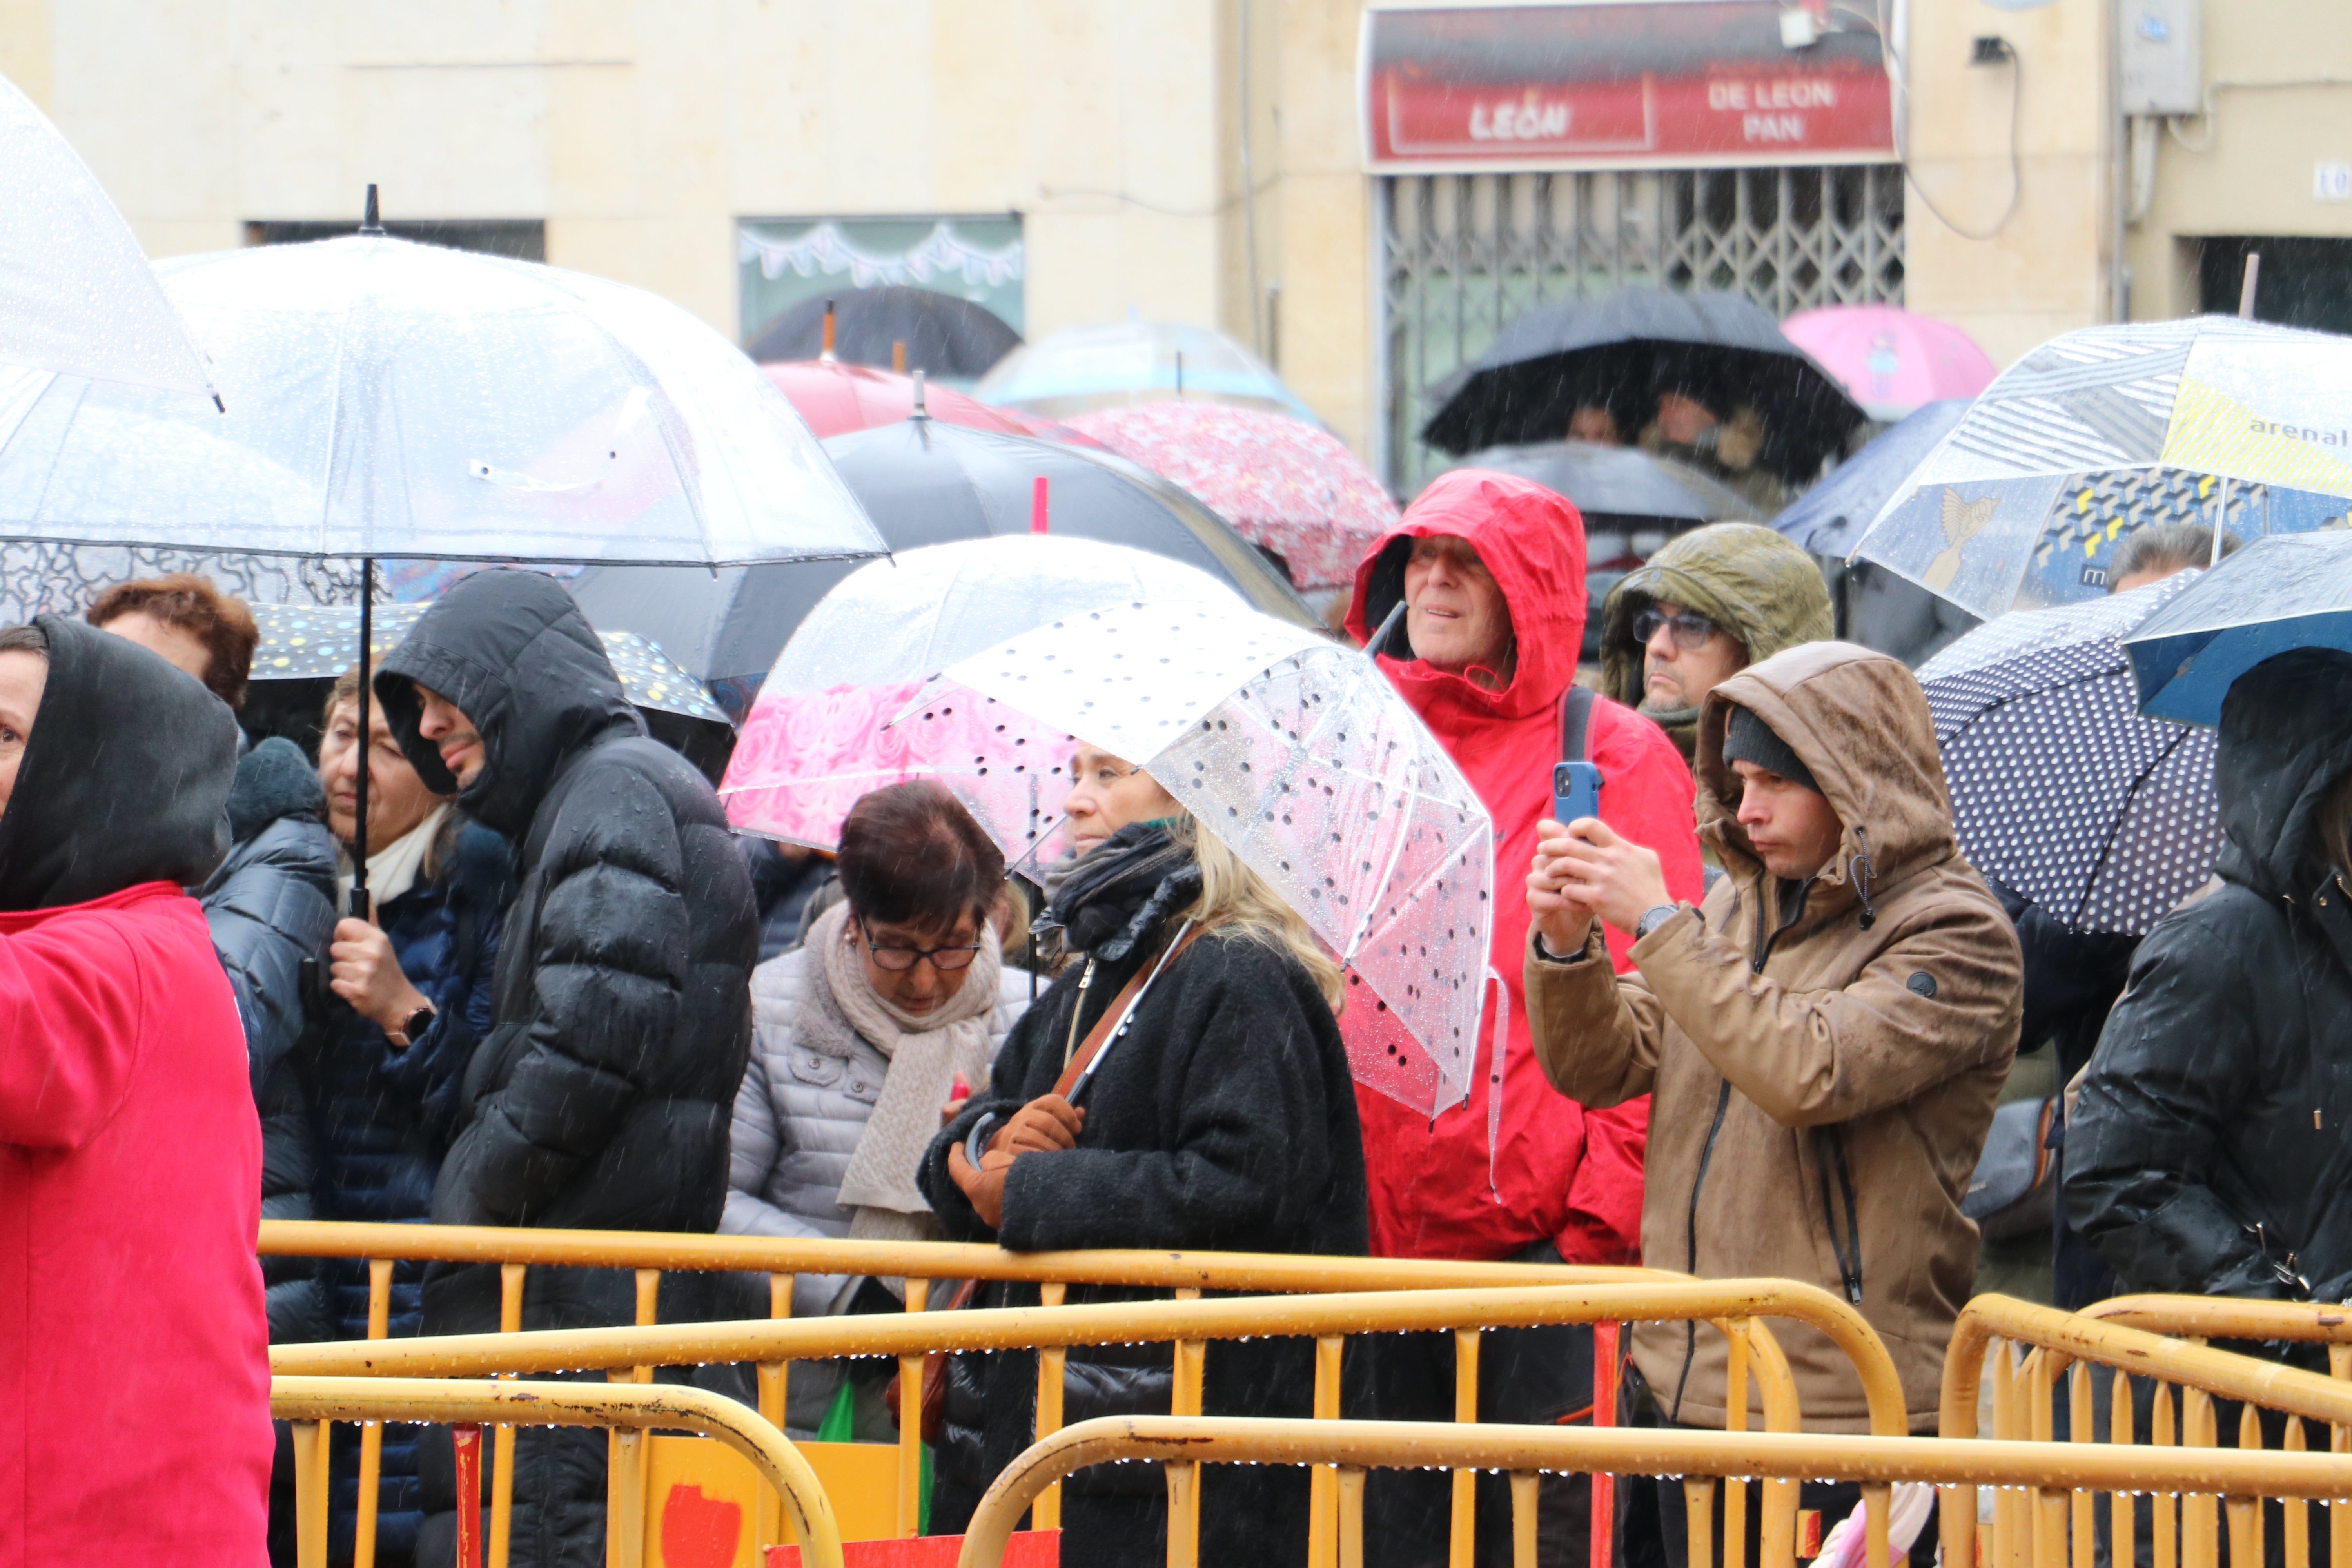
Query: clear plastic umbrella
x,y
2100,433
1299,756
2274,596
75,292
1123,363
819,734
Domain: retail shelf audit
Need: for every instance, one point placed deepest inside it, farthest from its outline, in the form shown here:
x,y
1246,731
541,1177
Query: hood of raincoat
x,y
1859,722
514,653
125,780
2286,738
1754,583
1532,540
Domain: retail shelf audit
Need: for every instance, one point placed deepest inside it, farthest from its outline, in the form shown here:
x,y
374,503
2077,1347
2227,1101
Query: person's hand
x,y
1588,866
983,1188
364,972
1562,922
1044,1124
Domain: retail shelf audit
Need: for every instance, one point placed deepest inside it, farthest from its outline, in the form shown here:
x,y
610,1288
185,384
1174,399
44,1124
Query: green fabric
x,y
840,1423
1756,585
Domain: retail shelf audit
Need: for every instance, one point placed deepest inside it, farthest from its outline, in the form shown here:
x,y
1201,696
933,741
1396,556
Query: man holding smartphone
x,y
1823,1038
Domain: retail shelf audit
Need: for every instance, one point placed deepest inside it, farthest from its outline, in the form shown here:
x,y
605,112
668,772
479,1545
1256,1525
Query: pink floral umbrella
x,y
1288,486
1891,361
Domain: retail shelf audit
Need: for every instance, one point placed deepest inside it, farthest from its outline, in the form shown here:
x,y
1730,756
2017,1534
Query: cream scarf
x,y
925,1054
393,869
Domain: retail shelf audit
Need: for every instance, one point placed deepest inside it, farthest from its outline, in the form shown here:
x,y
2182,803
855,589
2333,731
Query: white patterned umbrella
x,y
1298,754
2061,790
2100,433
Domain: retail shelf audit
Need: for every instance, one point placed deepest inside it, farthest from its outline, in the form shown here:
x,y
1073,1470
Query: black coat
x,y
270,908
2212,1139
1224,1120
601,1097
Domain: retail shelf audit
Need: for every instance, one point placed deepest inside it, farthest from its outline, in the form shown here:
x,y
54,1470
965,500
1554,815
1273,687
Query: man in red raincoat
x,y
134,1372
1490,568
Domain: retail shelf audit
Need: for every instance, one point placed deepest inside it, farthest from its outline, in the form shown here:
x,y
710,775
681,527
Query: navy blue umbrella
x,y
1829,518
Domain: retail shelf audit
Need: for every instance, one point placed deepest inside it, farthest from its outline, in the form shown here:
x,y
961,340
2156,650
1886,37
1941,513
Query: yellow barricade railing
x,y
1733,1306
628,1410
1695,1457
2050,1524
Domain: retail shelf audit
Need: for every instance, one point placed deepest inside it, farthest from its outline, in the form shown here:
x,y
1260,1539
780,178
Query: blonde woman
x,y
1181,1085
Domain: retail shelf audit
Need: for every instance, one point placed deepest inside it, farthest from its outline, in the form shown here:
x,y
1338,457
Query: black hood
x,y
2286,737
125,780
517,657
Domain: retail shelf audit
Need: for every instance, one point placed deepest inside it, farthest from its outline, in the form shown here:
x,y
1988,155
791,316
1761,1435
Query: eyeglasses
x,y
946,960
1690,630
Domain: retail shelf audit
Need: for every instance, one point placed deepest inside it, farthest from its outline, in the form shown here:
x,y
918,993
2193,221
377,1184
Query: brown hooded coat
x,y
1823,1057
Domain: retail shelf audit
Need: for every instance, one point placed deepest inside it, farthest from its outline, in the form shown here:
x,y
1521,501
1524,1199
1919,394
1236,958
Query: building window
x,y
2304,282
784,262
1462,254
523,240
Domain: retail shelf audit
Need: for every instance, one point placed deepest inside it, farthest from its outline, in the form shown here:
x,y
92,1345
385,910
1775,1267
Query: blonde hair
x,y
1234,896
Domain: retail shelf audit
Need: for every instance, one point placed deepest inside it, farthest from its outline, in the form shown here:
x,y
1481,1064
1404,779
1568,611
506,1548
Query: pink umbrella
x,y
1286,486
1890,360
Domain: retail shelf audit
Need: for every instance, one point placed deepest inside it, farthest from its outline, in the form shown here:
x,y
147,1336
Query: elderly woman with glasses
x,y
894,1004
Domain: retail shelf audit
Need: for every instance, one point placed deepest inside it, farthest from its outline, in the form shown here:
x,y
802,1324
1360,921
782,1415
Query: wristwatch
x,y
1652,918
411,1028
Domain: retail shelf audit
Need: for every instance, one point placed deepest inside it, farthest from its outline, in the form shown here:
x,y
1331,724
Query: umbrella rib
x,y
2115,830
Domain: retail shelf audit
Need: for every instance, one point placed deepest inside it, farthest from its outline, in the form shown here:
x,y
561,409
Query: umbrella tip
x,y
898,355
370,223
2246,286
825,350
922,412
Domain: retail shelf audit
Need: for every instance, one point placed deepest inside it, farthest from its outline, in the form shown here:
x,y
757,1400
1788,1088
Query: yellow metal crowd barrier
x,y
1732,1306
2053,1522
628,1410
1695,1457
650,1254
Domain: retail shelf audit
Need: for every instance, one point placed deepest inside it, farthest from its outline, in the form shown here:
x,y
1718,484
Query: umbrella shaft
x,y
363,742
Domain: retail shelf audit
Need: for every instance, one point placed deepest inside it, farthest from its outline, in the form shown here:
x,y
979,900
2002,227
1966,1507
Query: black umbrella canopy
x,y
924,482
1621,351
945,335
1620,486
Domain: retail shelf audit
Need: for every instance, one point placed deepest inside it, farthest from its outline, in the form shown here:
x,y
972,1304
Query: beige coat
x,y
1824,1058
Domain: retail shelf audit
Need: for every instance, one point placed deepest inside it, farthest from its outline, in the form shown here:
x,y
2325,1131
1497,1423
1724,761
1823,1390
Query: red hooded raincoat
x,y
1556,1171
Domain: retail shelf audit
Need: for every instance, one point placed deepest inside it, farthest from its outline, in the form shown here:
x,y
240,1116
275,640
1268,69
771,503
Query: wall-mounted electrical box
x,y
2163,62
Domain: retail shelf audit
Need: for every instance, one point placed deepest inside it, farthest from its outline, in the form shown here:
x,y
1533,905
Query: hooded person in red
x,y
1491,569
135,1371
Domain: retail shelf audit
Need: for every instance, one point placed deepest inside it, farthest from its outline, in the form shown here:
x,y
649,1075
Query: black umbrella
x,y
1620,352
925,482
944,335
1622,489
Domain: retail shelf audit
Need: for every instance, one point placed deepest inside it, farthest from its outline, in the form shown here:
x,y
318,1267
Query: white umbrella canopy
x,y
1299,756
818,736
414,402
76,295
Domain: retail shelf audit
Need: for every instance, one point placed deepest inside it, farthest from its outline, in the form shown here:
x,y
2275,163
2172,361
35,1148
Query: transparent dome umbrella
x,y
392,399
2062,791
1122,362
2274,596
2102,432
75,292
819,734
1299,756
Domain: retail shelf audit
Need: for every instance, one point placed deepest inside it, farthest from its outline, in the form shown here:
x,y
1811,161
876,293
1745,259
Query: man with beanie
x,y
1823,1038
1709,603
135,1371
601,1097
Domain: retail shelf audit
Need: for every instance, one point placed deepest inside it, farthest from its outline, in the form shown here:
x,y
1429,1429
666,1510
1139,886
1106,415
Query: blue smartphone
x,y
1575,791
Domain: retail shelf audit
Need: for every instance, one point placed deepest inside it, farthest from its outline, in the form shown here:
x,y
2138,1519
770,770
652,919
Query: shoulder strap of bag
x,y
1575,719
1114,1014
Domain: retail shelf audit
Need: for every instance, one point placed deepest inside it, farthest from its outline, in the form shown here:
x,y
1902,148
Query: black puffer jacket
x,y
1225,1119
601,1097
2211,1150
271,906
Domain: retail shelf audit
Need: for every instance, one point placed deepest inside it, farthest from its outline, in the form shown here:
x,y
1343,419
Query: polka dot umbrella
x,y
2061,790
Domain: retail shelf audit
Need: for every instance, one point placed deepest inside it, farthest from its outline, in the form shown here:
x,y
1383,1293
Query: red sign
x,y
1549,87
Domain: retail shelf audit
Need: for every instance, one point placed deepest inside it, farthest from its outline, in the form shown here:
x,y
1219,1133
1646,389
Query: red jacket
x,y
1557,1172
135,1374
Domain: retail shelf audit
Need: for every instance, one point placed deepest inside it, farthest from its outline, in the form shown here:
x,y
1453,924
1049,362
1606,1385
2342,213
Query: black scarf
x,y
1118,892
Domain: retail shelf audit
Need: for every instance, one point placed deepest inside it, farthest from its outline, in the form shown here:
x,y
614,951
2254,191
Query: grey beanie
x,y
1748,738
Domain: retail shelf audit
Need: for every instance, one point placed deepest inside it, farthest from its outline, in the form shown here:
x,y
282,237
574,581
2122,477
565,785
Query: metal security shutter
x,y
1462,254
